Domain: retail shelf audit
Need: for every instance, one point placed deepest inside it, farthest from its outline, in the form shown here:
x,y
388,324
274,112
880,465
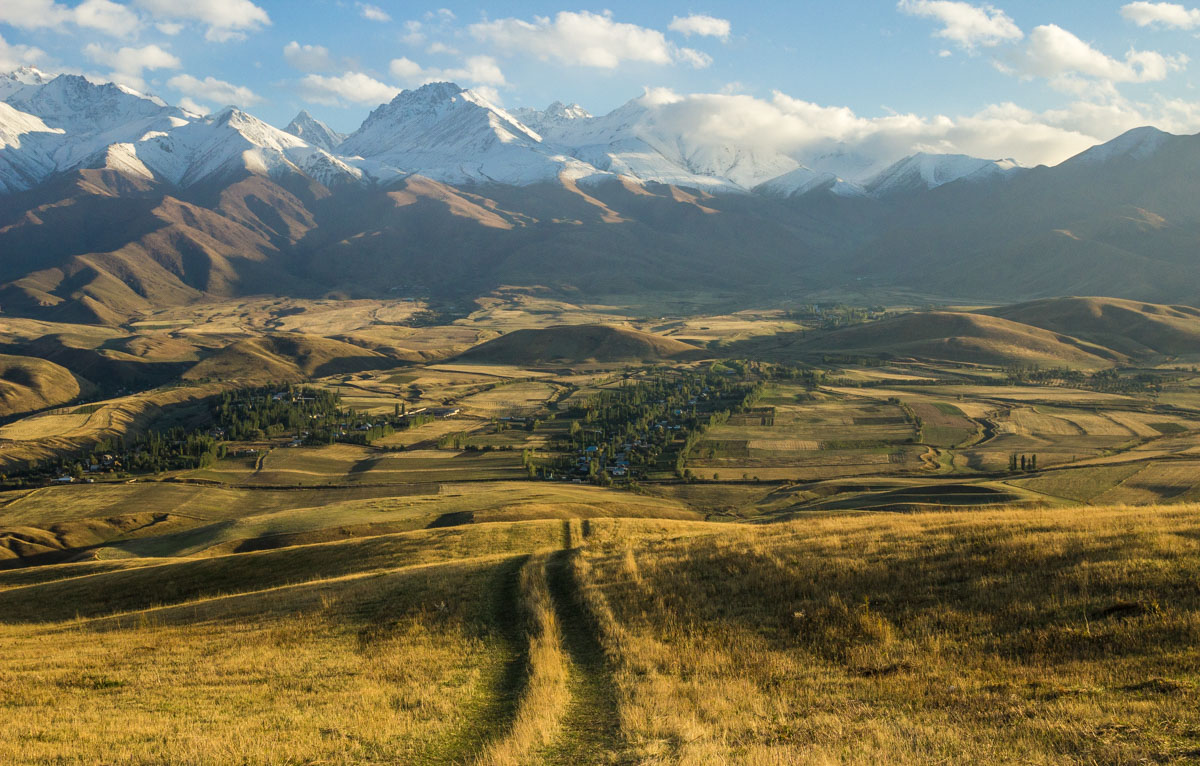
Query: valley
x,y
502,436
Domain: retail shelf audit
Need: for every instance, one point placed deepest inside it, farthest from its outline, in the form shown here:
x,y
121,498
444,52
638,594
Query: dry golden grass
x,y
995,637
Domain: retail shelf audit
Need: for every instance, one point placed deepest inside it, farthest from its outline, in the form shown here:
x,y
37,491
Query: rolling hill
x,y
941,335
1132,328
286,358
28,384
579,343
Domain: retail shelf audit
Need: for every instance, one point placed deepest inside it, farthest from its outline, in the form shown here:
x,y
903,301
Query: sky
x,y
1026,79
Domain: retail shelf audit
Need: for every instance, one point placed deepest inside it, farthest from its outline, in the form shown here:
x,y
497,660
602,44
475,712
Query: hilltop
x,y
579,343
28,384
286,357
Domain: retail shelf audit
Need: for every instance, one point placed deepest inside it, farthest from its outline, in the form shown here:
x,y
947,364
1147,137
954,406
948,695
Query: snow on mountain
x,y
314,131
556,115
229,142
89,118
1138,144
805,180
18,80
24,140
922,172
456,136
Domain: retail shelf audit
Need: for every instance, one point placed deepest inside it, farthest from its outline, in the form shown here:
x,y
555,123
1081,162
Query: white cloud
x,y
307,58
804,130
192,106
438,47
169,28
106,16
476,72
101,15
441,15
1056,54
14,56
699,24
967,25
349,88
697,59
129,64
1174,15
212,89
412,33
583,39
225,19
373,12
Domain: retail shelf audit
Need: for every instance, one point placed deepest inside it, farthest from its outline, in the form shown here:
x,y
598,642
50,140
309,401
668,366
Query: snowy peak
x,y
231,142
13,82
73,103
1137,144
456,136
803,180
557,114
923,172
314,131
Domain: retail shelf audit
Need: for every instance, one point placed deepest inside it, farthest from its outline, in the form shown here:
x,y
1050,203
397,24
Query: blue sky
x,y
1044,79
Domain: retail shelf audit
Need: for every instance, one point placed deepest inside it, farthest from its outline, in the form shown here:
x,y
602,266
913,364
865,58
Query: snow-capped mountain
x,y
315,132
18,80
53,124
1137,144
229,142
805,180
456,136
922,172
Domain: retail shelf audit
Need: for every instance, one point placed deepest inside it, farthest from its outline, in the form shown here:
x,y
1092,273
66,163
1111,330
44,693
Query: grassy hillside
x,y
943,335
1030,636
579,343
28,384
286,357
1129,327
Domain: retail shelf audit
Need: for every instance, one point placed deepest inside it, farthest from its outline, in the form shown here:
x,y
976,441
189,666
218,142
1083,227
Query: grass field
x,y
1030,636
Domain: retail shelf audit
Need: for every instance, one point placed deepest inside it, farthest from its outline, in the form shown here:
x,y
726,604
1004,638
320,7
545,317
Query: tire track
x,y
491,715
591,724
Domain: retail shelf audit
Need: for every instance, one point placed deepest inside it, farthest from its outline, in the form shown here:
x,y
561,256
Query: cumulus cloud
x,y
1173,15
805,130
348,88
584,39
966,25
373,12
307,58
1056,54
212,89
699,24
100,15
476,71
130,64
14,56
225,19
439,47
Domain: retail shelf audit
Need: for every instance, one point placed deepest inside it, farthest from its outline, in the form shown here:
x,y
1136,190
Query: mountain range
x,y
113,202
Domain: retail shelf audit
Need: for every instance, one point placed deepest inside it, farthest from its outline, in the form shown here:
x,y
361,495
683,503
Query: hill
x,y
1129,327
579,343
528,641
28,384
943,335
286,357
